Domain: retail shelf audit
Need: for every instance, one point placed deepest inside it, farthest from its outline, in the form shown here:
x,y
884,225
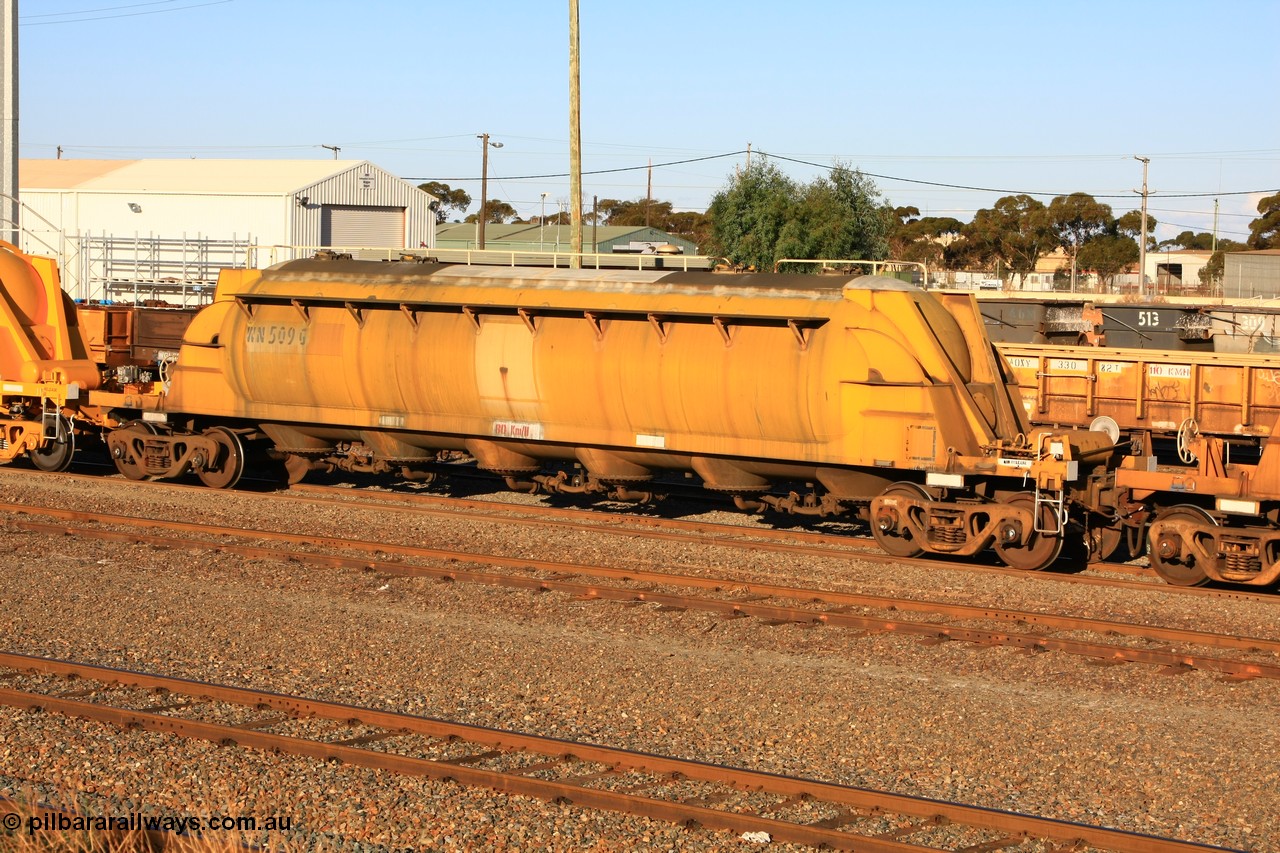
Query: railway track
x,y
806,542
790,809
1176,649
740,536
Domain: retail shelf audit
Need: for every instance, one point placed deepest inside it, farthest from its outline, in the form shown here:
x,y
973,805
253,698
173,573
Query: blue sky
x,y
1007,96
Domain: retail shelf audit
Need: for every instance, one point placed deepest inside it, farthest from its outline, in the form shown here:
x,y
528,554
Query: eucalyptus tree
x,y
449,199
1108,255
1016,232
1131,224
1201,241
1264,232
497,212
1077,219
926,239
1211,273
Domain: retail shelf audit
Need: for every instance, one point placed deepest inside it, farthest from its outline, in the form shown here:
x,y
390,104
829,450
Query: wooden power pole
x,y
1142,238
9,133
575,141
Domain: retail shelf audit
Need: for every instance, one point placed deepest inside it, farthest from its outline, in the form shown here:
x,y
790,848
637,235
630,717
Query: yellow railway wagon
x,y
44,365
889,399
859,395
520,365
881,399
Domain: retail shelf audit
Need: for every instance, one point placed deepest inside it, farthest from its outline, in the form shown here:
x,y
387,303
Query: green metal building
x,y
596,239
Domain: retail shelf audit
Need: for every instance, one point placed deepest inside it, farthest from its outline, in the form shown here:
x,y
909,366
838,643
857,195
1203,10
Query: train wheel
x,y
1166,554
224,471
888,535
133,434
1041,550
56,455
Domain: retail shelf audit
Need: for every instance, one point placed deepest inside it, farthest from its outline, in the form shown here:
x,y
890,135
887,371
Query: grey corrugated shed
x,y
203,204
212,197
1246,275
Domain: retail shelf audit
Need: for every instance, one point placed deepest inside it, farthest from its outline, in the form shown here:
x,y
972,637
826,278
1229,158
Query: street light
x,y
542,225
484,185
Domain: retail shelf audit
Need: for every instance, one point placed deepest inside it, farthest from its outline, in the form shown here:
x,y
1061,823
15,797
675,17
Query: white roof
x,y
225,177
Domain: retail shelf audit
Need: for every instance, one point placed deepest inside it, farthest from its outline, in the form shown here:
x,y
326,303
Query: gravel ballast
x,y
1190,756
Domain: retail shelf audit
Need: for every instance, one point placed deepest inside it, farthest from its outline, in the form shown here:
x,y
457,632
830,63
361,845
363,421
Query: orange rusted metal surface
x,y
107,331
1202,490
132,334
1229,394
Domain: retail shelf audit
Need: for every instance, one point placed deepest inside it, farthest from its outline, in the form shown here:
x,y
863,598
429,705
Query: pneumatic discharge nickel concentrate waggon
x,y
822,395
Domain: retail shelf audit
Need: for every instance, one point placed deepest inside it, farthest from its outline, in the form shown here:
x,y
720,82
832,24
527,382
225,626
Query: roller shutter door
x,y
353,225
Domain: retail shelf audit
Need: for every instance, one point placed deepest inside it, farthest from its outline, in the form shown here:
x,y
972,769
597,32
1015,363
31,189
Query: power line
x,y
828,168
27,22
1010,192
104,9
938,184
593,171
1200,229
1223,213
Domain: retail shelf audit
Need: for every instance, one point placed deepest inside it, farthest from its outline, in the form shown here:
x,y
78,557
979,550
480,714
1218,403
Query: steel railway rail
x,y
792,809
726,596
801,542
807,542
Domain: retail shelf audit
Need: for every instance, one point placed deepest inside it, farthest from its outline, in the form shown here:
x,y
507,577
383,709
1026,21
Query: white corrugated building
x,y
162,228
